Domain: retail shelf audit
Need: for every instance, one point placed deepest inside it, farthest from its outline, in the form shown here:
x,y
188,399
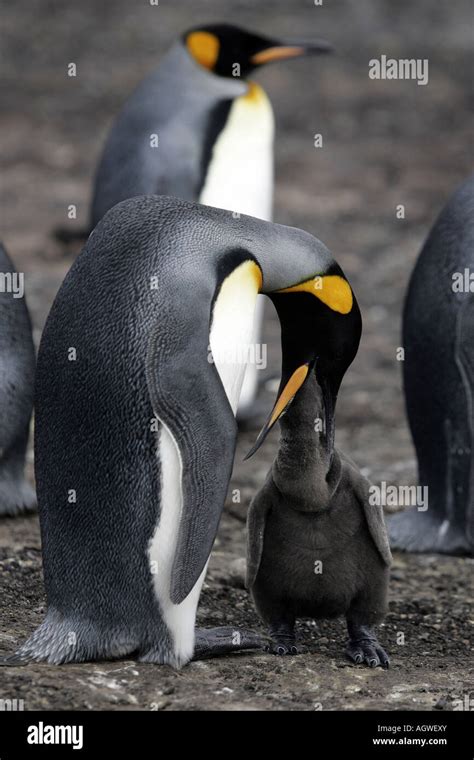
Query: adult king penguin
x,y
438,336
17,370
197,129
135,414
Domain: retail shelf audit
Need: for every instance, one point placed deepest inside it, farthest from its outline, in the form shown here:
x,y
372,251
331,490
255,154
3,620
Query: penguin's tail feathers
x,y
66,235
13,661
59,640
55,642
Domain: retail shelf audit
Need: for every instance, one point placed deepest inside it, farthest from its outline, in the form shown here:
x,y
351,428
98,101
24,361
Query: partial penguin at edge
x,y
17,370
438,372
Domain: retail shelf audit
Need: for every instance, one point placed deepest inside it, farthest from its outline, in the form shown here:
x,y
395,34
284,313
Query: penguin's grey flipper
x,y
214,642
376,522
256,519
205,441
373,512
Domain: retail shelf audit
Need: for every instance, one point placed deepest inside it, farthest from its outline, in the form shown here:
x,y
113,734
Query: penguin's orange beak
x,y
282,403
284,51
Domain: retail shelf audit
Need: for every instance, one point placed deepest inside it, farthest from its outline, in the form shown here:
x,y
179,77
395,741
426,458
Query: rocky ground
x,y
384,144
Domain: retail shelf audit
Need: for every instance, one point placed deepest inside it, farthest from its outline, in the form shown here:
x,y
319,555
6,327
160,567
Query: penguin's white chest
x,y
231,339
240,173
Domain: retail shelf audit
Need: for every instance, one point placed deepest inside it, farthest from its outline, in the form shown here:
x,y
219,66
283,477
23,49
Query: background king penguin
x,y
135,438
196,128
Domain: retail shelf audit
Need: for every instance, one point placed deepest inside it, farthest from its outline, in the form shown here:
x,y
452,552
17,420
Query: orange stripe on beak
x,y
279,53
283,401
288,393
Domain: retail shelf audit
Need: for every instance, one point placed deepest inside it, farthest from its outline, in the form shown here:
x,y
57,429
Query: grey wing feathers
x,y
373,512
256,518
206,439
376,522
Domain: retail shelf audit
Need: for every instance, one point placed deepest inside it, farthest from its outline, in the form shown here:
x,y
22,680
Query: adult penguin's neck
x,y
306,470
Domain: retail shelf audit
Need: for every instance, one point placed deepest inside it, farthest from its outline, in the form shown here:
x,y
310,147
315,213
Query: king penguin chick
x,y
17,370
315,547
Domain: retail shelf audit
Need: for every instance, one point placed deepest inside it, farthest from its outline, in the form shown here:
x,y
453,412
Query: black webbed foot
x,y
214,642
363,647
283,641
281,648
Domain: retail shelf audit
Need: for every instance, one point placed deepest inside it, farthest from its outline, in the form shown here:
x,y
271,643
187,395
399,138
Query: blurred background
x,y
385,143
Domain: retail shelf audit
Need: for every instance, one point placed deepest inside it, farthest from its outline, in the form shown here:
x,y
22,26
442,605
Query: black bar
x,y
139,734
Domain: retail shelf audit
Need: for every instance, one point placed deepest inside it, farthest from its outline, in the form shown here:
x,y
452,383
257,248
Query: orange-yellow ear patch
x,y
204,48
331,289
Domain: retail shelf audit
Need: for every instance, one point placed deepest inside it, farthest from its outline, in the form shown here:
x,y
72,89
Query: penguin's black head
x,y
229,51
321,327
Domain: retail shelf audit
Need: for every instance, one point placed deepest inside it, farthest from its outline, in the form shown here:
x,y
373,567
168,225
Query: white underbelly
x,y
240,173
180,619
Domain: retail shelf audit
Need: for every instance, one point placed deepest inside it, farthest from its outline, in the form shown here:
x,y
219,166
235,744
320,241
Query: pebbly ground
x,y
384,144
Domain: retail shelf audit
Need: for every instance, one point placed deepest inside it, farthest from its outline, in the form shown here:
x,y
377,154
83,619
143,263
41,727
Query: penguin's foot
x,y
214,642
283,641
16,498
363,647
416,531
280,648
